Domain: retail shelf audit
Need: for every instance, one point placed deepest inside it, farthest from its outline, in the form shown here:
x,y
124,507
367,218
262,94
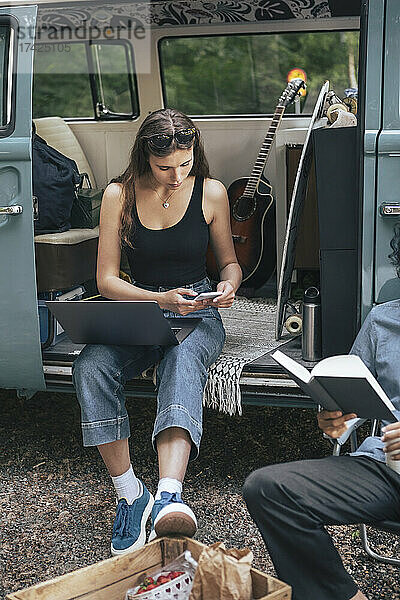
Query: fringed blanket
x,y
250,333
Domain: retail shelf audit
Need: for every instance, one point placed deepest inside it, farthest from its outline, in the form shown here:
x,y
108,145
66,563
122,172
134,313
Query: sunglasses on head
x,y
163,140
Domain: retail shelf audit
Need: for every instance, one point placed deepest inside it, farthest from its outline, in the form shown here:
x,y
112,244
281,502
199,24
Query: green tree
x,y
241,74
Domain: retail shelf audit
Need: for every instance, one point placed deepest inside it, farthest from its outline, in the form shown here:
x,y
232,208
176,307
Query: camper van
x,y
87,74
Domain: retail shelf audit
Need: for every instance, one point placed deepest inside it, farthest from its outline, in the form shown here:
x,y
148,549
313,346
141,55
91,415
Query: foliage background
x,y
214,75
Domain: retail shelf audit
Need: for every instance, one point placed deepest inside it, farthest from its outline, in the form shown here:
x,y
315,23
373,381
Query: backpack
x,y
55,178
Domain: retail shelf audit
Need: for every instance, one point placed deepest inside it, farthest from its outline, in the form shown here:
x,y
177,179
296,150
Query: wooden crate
x,y
109,579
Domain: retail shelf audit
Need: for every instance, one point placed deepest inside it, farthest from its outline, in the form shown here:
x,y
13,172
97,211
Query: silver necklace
x,y
164,202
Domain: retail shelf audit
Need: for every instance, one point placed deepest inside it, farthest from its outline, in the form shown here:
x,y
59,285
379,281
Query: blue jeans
x,y
100,372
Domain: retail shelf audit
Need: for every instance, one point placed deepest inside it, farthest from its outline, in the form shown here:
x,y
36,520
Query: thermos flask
x,y
311,335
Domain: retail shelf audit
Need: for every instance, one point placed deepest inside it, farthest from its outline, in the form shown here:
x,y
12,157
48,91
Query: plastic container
x,y
176,589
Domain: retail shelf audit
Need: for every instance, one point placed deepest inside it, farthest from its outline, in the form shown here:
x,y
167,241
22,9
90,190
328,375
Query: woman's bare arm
x,y
109,252
217,214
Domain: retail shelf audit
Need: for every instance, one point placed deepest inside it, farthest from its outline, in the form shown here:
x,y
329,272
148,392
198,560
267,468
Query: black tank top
x,y
174,256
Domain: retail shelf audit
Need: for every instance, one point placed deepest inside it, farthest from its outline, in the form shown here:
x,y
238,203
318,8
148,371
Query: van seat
x,y
68,259
58,134
72,236
65,260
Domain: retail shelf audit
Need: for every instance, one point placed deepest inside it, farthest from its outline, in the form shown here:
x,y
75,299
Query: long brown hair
x,y
166,121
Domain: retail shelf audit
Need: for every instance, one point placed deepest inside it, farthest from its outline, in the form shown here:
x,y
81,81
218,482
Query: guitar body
x,y
253,231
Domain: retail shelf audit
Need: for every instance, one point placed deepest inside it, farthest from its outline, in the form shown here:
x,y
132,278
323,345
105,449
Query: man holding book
x,y
292,502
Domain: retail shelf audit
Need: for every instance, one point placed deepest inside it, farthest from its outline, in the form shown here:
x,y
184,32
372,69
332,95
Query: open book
x,y
341,383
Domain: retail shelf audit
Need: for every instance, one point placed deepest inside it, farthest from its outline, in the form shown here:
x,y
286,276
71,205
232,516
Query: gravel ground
x,y
57,505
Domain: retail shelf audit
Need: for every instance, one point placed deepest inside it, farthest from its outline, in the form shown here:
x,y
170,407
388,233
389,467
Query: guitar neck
x,y
263,154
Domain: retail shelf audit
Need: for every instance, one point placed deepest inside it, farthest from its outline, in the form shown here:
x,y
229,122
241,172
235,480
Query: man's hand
x,y
391,439
333,423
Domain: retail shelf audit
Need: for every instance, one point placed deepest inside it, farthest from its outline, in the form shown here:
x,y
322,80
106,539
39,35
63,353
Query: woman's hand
x,y
225,300
333,423
227,297
391,439
173,300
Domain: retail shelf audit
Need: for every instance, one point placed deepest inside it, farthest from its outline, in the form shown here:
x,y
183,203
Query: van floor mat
x,y
267,364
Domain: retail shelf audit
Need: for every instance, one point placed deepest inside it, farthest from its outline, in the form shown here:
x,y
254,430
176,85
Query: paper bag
x,y
223,574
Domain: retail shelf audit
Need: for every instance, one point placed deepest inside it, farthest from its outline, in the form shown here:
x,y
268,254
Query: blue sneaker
x,y
170,515
129,529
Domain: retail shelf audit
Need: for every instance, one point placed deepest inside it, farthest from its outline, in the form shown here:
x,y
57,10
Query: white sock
x,y
167,484
127,486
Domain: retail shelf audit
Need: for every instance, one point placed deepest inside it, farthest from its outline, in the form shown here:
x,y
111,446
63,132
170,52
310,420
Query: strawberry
x,y
151,587
162,579
175,574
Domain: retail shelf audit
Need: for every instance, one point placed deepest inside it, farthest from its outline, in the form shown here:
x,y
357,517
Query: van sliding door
x,y
20,355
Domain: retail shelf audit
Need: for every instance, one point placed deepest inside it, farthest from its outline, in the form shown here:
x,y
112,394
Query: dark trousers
x,y
291,502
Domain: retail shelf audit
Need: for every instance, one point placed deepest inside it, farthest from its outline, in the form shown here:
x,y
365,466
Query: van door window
x,y
84,80
245,74
115,85
61,84
7,53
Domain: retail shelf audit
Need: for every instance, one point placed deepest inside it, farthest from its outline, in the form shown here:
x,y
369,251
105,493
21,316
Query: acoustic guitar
x,y
252,208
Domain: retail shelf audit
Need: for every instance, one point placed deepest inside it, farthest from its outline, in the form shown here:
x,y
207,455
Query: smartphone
x,y
208,295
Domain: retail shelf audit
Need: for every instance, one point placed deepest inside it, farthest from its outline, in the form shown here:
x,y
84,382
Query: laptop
x,y
120,322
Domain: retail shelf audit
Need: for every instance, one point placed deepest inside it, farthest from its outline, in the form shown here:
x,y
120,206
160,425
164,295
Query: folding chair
x,y
392,527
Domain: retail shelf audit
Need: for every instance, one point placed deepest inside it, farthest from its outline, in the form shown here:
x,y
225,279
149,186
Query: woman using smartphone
x,y
164,209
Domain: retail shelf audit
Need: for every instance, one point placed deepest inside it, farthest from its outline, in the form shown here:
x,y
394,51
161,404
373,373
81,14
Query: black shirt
x,y
175,256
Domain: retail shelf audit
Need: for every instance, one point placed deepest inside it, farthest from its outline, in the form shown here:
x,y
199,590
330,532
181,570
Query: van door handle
x,y
11,210
388,209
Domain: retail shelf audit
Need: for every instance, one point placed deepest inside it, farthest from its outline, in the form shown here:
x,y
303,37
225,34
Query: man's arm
x,y
364,345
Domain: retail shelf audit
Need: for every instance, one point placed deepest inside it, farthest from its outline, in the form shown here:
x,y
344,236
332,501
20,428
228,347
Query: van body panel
x,y
20,352
374,23
387,284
